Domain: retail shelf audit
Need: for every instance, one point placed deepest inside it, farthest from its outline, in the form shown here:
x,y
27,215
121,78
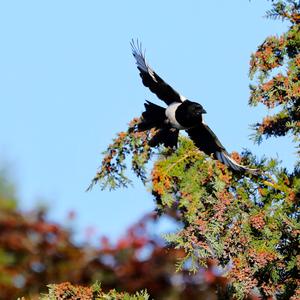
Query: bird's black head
x,y
195,109
189,113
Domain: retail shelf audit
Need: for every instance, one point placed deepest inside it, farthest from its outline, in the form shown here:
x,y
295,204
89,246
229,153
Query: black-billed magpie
x,y
181,114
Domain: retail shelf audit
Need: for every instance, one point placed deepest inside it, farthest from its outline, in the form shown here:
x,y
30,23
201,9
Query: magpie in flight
x,y
181,114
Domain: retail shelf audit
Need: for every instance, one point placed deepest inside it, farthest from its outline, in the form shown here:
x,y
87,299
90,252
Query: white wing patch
x,y
139,56
225,159
182,98
228,161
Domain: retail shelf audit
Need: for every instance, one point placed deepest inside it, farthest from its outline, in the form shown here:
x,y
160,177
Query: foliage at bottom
x,y
74,292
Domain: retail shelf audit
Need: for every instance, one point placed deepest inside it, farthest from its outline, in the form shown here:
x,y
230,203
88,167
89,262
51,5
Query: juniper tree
x,y
249,225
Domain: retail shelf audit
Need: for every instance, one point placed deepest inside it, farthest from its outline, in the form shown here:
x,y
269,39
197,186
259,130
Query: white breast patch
x,y
170,113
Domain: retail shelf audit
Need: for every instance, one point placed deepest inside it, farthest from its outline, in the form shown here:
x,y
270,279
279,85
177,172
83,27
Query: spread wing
x,y
205,139
151,80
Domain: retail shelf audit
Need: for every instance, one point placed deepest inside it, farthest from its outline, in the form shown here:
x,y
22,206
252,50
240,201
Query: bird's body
x,y
180,114
171,115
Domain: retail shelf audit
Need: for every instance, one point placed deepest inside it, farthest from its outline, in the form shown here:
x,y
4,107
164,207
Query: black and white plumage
x,y
181,114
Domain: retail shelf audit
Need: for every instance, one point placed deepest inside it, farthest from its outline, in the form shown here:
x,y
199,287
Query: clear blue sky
x,y
69,83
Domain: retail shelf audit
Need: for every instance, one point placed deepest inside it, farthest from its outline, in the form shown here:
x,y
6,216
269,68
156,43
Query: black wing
x,y
151,80
205,139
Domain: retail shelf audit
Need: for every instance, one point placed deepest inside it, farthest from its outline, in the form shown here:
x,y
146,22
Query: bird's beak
x,y
203,111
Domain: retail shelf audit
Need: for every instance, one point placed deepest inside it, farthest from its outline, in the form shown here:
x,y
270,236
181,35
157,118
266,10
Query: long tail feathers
x,y
228,161
153,117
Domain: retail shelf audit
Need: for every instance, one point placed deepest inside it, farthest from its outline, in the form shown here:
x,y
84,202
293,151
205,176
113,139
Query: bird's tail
x,y
224,157
155,117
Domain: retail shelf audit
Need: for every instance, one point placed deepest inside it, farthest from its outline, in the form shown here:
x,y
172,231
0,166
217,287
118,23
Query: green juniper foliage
x,y
276,66
69,291
249,225
112,171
